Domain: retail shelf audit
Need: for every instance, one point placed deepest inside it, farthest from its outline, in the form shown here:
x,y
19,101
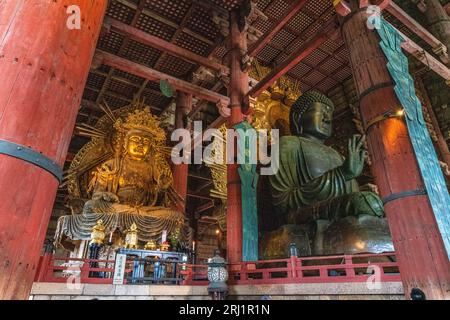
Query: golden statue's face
x,y
138,145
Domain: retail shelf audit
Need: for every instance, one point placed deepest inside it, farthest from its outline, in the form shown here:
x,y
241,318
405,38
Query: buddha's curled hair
x,y
303,103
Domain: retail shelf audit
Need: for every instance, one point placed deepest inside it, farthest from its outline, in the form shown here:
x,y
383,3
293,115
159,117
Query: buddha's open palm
x,y
354,164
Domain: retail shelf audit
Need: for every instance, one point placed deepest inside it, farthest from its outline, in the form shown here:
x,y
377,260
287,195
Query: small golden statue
x,y
123,176
98,233
151,245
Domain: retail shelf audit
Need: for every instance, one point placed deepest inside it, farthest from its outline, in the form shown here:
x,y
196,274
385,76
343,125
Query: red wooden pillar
x,y
420,250
180,171
237,89
44,67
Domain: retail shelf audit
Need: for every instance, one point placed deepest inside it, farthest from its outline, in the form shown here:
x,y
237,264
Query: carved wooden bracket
x,y
222,22
97,61
224,110
421,5
246,62
342,7
224,79
441,52
248,13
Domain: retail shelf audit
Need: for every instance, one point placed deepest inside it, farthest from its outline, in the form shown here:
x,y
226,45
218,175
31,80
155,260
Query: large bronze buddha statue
x,y
316,190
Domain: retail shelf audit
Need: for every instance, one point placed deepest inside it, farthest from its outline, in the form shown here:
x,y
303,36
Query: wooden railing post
x,y
84,275
293,266
349,270
44,264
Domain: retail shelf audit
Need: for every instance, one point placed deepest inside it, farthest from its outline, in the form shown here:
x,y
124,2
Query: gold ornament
x,y
98,233
131,237
151,245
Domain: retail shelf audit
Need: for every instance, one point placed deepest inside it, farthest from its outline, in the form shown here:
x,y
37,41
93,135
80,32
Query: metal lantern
x,y
131,237
217,276
293,250
98,233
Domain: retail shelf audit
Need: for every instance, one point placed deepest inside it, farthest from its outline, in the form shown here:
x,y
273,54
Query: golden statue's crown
x,y
142,119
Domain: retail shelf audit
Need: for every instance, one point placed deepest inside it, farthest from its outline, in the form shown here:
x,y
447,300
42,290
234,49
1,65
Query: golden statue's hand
x,y
106,196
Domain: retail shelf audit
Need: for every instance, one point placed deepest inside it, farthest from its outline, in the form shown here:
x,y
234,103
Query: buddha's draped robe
x,y
310,184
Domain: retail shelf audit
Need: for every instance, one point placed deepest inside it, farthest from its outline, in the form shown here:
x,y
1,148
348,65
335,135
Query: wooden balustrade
x,y
327,269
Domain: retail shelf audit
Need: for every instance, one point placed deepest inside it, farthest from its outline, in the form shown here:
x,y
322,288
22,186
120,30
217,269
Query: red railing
x,y
327,269
62,270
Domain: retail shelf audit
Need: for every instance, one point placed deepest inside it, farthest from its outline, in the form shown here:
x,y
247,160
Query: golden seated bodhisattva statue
x,y
126,177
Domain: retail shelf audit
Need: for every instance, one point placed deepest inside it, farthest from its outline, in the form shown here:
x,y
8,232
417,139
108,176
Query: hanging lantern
x,y
131,237
217,276
98,233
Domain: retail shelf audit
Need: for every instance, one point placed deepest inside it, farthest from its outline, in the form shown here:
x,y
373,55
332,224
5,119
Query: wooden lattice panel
x,y
115,102
201,23
154,99
295,46
262,4
119,11
219,52
122,88
316,57
326,85
314,77
171,10
175,66
95,80
299,71
311,30
155,27
331,46
283,39
330,65
343,74
187,41
277,9
152,86
263,25
127,76
111,42
268,53
227,4
342,54
90,94
300,22
137,52
318,7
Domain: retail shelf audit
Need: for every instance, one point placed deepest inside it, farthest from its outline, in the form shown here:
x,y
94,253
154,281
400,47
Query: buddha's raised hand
x,y
354,163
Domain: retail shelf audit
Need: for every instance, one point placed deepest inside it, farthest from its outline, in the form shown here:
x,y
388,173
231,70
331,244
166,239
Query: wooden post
x,y
180,172
237,89
419,247
44,65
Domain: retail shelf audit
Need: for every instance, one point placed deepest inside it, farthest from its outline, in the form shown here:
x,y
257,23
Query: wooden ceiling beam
x,y
427,59
154,75
438,47
162,45
293,10
329,30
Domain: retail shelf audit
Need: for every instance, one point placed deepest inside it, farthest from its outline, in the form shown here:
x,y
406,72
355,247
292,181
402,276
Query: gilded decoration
x,y
270,111
123,177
